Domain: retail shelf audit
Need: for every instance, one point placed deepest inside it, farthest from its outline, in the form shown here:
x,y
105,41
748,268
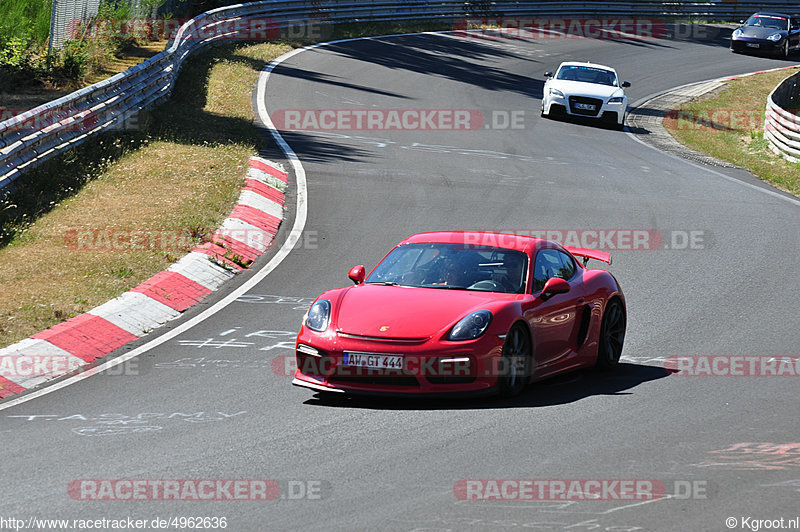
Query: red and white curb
x,y
246,234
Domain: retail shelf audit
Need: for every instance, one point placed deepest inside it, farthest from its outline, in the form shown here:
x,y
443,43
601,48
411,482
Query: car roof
x,y
586,64
771,14
523,243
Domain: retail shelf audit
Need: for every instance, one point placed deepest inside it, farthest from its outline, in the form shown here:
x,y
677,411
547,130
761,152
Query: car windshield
x,y
453,266
587,74
764,21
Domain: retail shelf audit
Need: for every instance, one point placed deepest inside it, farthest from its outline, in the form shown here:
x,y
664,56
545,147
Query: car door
x,y
553,318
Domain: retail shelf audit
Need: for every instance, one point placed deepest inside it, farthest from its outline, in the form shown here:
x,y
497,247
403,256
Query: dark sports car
x,y
774,33
463,313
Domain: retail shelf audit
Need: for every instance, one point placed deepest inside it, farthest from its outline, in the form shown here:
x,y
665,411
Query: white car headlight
x,y
737,33
319,315
471,326
615,99
556,92
775,37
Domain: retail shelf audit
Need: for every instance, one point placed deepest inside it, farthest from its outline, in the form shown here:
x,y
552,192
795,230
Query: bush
x,y
14,52
73,61
18,64
23,58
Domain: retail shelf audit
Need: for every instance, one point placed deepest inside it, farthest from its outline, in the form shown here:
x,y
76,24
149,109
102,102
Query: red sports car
x,y
463,313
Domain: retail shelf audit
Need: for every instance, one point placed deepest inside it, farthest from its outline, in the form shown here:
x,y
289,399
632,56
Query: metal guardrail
x,y
782,123
28,139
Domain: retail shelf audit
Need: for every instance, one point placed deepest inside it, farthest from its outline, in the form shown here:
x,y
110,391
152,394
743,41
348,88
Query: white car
x,y
585,90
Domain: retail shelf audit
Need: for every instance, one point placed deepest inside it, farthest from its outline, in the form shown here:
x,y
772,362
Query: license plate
x,y
584,106
372,360
753,45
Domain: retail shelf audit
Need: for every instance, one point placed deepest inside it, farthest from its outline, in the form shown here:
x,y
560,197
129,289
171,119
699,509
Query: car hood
x,y
758,32
580,88
408,313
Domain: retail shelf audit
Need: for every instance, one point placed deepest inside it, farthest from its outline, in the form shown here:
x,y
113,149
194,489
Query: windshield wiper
x,y
385,283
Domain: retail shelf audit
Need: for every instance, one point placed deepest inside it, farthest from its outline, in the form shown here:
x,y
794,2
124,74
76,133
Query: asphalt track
x,y
208,404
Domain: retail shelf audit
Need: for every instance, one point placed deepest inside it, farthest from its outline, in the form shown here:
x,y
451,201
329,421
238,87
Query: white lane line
x,y
769,192
294,237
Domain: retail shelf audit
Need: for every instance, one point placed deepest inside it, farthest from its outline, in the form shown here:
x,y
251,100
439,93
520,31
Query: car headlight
x,y
737,33
615,99
472,326
319,315
556,92
775,37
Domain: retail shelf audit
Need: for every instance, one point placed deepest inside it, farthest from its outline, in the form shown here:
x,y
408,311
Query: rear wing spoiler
x,y
587,253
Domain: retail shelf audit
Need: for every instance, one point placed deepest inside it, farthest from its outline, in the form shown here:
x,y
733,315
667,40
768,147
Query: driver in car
x,y
511,280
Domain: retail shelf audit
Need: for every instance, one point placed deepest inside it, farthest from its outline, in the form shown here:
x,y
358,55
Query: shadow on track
x,y
465,61
589,122
328,79
312,147
559,390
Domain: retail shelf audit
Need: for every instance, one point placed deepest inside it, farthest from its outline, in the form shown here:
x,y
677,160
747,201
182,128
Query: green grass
x,y
25,19
729,125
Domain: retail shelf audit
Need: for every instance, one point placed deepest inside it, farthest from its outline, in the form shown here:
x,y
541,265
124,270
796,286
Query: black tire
x,y
785,50
515,369
612,336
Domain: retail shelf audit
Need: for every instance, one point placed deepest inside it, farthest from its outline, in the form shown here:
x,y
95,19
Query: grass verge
x,y
729,124
174,181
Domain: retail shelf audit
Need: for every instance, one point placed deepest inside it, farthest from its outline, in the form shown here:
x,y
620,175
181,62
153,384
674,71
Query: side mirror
x,y
548,74
626,84
555,285
357,274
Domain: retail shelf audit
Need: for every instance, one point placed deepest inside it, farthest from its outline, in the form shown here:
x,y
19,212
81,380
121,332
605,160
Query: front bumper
x,y
745,44
430,367
586,107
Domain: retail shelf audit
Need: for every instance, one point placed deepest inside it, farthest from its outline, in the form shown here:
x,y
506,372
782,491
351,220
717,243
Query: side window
x,y
551,263
547,262
567,267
